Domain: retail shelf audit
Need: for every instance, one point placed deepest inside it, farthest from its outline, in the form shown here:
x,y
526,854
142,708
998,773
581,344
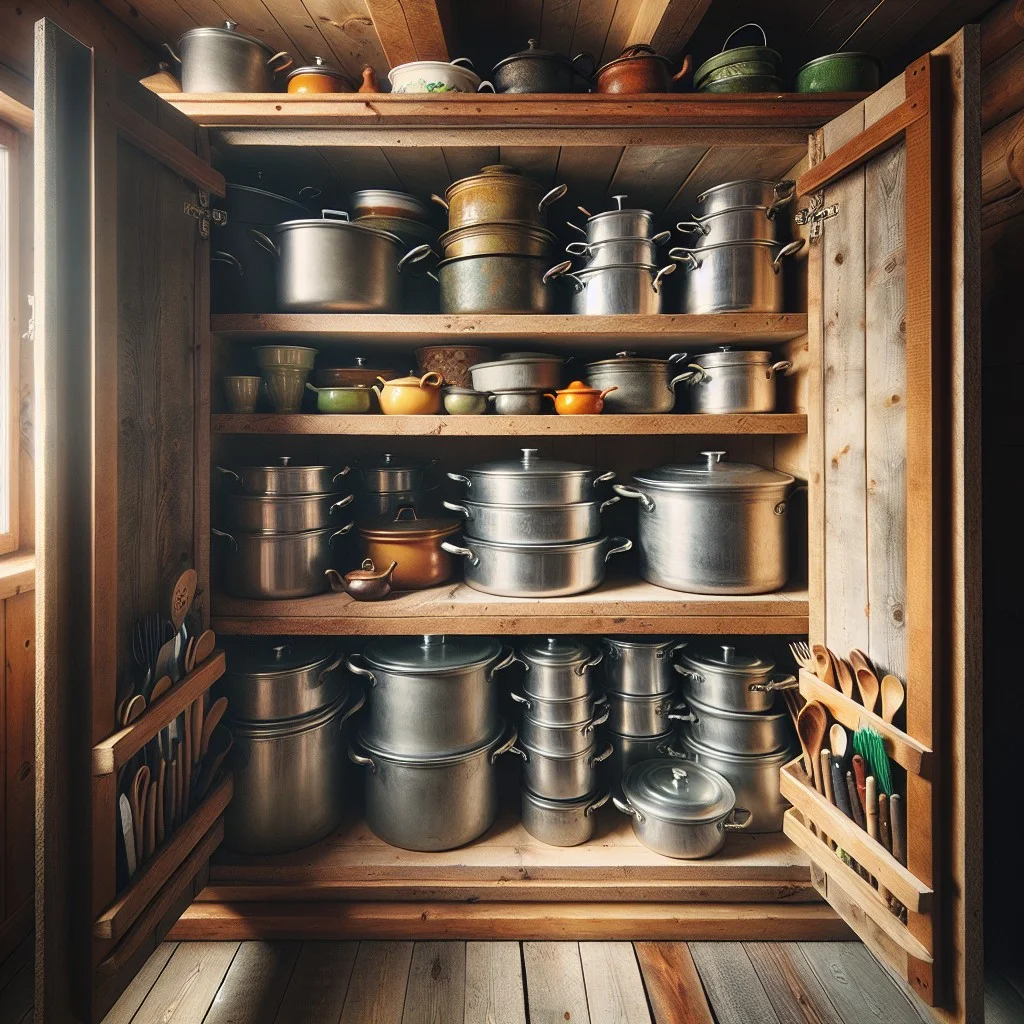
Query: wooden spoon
x,y
812,724
197,729
190,654
160,687
133,709
205,646
182,594
867,684
822,663
858,659
846,679
839,739
220,745
893,696
213,717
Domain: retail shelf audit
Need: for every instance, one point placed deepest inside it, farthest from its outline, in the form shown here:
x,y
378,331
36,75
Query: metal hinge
x,y
204,214
816,212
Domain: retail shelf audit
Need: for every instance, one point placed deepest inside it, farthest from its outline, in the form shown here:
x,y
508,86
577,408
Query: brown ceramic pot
x,y
412,542
638,69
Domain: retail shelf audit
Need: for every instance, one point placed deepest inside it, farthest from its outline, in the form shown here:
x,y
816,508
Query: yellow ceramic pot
x,y
577,399
410,396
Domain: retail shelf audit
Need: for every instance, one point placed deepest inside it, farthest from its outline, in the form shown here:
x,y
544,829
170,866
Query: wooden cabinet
x,y
879,419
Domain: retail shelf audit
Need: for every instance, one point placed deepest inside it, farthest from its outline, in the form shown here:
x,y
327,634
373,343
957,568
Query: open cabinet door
x,y
892,202
121,318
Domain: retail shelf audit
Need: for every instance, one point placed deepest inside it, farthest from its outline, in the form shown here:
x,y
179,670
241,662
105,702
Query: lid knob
x,y
529,455
318,61
433,639
552,643
625,355
728,652
714,458
279,651
532,44
360,360
285,460
618,201
230,25
679,775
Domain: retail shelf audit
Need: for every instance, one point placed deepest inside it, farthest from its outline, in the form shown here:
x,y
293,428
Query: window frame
x,y
10,349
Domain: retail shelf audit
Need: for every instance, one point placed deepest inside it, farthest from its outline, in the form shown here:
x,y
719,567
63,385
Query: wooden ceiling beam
x,y
413,29
666,24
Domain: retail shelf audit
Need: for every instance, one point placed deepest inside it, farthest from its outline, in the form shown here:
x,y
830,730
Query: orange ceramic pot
x,y
577,399
318,77
414,544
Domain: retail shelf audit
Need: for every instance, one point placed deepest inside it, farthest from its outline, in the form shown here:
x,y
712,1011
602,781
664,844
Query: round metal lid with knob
x,y
556,650
667,789
529,464
432,653
726,355
625,362
726,658
713,474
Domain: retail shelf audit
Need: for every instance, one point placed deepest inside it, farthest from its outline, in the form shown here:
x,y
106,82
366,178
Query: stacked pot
x,y
643,700
496,249
390,482
430,738
288,708
620,273
558,741
733,728
532,527
735,248
283,523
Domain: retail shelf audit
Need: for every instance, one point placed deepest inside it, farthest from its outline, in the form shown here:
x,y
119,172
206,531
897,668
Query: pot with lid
x,y
714,527
626,288
537,70
617,224
223,59
734,380
318,77
284,477
497,193
768,194
728,679
679,809
390,472
638,68
640,666
643,385
738,732
518,371
567,775
414,542
557,668
741,68
561,822
531,524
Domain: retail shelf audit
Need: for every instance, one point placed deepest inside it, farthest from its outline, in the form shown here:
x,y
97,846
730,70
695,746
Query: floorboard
x,y
436,993
494,984
376,991
795,993
732,985
673,985
317,988
555,990
254,986
615,990
142,984
188,984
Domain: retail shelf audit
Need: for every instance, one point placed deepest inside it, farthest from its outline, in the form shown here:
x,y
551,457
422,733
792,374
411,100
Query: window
x,y
9,341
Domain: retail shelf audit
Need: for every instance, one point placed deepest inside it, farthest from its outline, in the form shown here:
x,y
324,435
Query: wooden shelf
x,y
662,332
618,606
377,425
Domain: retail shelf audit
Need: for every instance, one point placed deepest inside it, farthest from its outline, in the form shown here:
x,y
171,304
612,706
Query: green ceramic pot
x,y
739,55
743,67
464,402
745,83
342,400
840,72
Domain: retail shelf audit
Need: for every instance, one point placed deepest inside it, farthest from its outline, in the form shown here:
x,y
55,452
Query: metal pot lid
x,y
229,28
493,174
266,657
699,708
262,193
640,51
407,525
529,464
431,654
728,356
278,728
420,761
395,463
533,52
713,474
388,196
556,650
361,226
564,806
536,357
645,643
679,791
627,361
320,67
285,467
708,192
726,658
619,210
776,760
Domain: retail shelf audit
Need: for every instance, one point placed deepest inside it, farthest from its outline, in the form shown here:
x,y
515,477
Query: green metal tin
x,y
745,83
840,72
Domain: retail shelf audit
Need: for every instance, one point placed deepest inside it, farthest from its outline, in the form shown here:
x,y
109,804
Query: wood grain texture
x,y
555,989
318,985
124,1010
615,990
673,985
187,986
733,987
376,993
254,986
795,993
494,984
436,993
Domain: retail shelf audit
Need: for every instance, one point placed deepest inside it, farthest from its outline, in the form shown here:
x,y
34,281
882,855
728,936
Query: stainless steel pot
x,y
294,513
531,480
631,750
561,776
627,288
430,696
561,740
679,810
722,677
755,780
643,716
379,505
282,477
276,566
771,195
518,371
734,732
565,711
432,804
529,570
617,223
290,786
337,266
557,668
641,666
734,380
393,473
272,678
502,283
226,60
617,251
531,524
712,528
518,402
642,385
562,822
537,70
734,277
735,224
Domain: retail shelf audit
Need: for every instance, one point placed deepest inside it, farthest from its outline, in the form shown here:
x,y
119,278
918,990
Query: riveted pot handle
x,y
357,706
437,199
339,533
690,227
738,826
775,684
787,250
550,197
575,227
625,808
229,472
590,663
687,256
220,256
455,549
578,248
603,711
619,545
416,254
669,268
785,193
222,533
327,669
460,479
520,699
780,367
277,56
264,242
661,237
603,755
597,804
341,503
624,491
505,746
362,759
358,670
454,507
508,656
688,673
604,478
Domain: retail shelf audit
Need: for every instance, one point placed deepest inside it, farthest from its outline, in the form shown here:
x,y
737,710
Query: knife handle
x,y
860,774
858,811
839,793
883,822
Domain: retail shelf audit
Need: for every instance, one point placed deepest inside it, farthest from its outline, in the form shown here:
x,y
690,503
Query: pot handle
x,y
458,62
677,646
222,533
336,214
625,808
785,192
681,255
339,533
486,86
674,716
780,367
455,549
503,662
688,673
550,197
327,669
225,257
693,375
787,250
520,699
590,663
358,670
357,706
461,509
563,269
625,491
669,268
341,503
575,227
578,248
775,684
749,24
603,755
738,826
437,199
280,67
689,227
229,472
431,379
597,804
681,73
264,242
460,479
604,478
416,254
505,746
603,711
344,471
170,50
362,759
520,753
607,503
619,545
584,56
661,237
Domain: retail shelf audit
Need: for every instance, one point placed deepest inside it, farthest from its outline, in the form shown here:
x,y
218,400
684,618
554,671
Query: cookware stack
x,y
735,251
733,728
643,700
390,482
283,524
532,527
558,741
430,736
620,273
496,249
288,708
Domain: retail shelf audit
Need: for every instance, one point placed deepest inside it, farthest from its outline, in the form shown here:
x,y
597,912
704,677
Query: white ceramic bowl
x,y
436,76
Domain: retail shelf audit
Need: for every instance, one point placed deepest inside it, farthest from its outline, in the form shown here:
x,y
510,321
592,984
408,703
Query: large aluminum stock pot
x,y
715,527
283,477
222,59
